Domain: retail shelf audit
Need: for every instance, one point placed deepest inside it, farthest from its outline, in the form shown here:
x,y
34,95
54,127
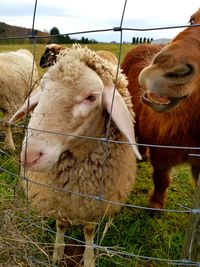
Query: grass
x,y
26,239
39,50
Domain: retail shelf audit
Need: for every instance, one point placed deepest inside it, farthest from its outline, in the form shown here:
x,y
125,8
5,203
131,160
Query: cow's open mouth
x,y
160,103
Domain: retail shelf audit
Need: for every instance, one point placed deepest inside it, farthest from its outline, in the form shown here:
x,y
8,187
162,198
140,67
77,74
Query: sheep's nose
x,y
30,157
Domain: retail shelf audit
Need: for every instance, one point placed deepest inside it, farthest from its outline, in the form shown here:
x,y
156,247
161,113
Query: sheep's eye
x,y
91,98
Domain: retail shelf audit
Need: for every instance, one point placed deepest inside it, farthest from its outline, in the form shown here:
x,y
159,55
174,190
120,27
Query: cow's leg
x,y
162,163
195,172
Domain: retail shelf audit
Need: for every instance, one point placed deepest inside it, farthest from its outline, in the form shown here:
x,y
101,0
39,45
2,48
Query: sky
x,y
71,16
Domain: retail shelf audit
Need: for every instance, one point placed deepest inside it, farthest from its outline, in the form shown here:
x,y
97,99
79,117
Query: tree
x,y
65,39
42,40
84,40
54,31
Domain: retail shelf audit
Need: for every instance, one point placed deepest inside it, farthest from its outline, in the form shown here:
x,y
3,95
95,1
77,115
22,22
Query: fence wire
x,y
101,249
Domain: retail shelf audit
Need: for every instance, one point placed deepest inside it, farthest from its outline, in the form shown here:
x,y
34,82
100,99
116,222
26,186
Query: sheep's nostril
x,y
31,156
37,157
180,72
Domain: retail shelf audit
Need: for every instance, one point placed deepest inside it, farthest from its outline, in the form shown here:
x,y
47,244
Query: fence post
x,y
191,249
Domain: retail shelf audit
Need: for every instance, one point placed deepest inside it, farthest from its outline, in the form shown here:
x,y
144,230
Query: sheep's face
x,y
65,109
72,101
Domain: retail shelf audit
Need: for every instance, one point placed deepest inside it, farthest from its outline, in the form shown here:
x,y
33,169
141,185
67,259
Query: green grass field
x,y
39,49
26,239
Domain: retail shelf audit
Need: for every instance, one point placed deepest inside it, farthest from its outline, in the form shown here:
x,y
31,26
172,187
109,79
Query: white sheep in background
x,y
51,52
79,89
15,79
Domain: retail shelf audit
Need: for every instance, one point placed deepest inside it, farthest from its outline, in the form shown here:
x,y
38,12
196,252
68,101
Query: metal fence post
x,y
191,249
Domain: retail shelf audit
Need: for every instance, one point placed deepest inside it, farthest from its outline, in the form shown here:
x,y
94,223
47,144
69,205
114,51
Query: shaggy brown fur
x,y
174,74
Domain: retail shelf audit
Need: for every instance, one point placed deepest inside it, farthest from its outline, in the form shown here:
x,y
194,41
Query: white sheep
x,y
15,78
79,89
51,52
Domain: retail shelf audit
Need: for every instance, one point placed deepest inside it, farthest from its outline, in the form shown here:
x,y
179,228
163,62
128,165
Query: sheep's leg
x,y
59,246
88,257
8,138
8,134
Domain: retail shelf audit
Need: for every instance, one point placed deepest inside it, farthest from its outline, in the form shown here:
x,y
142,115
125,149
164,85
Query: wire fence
x,y
109,250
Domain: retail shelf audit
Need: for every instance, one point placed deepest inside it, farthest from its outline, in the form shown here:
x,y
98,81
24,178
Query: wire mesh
x,y
26,221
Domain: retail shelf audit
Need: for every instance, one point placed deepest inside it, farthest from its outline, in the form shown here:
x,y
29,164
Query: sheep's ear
x,y
28,106
120,115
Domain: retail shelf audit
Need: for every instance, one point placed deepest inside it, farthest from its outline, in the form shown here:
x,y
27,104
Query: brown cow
x,y
167,103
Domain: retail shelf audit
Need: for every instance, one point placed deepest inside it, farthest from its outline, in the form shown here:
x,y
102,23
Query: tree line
x,y
65,39
42,37
45,37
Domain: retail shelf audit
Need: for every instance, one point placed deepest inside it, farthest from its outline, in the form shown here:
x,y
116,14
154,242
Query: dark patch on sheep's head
x,y
50,55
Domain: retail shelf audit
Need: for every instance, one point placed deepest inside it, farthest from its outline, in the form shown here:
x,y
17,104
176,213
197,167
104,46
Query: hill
x,y
8,30
15,31
161,41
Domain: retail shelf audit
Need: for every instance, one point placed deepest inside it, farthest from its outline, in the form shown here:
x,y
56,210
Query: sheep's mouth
x,y
160,103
